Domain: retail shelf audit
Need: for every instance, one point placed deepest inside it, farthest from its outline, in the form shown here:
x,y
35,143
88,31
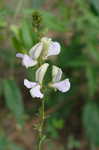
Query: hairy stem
x,y
42,119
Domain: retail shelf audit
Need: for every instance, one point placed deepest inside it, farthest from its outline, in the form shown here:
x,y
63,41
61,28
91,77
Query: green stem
x,y
42,119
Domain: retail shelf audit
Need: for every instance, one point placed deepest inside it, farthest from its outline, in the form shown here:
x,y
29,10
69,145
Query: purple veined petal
x,y
27,61
36,93
54,49
29,84
36,50
19,55
40,73
62,86
56,74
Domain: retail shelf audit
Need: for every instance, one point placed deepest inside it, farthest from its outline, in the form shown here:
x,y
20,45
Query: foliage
x,y
91,122
13,99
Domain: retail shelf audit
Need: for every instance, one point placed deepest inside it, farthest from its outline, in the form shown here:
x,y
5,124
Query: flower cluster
x,y
41,51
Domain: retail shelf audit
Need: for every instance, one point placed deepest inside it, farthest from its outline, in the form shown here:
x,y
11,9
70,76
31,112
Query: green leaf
x,y
17,44
26,34
91,122
13,98
95,4
7,56
91,74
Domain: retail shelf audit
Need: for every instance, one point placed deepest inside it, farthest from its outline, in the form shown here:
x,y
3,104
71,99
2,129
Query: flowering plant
x,y
37,55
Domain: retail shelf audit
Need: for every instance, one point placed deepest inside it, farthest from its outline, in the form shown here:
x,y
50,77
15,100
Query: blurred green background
x,y
73,117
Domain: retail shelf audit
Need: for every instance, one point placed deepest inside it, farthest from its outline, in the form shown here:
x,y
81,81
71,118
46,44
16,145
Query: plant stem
x,y
42,119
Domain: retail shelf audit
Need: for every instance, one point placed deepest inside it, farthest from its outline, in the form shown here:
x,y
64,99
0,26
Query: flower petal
x,y
35,92
36,50
27,61
56,74
29,84
54,49
19,55
41,72
62,86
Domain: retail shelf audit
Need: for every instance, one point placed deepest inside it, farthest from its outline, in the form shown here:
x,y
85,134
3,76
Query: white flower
x,y
62,86
50,48
30,60
36,86
45,48
27,61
